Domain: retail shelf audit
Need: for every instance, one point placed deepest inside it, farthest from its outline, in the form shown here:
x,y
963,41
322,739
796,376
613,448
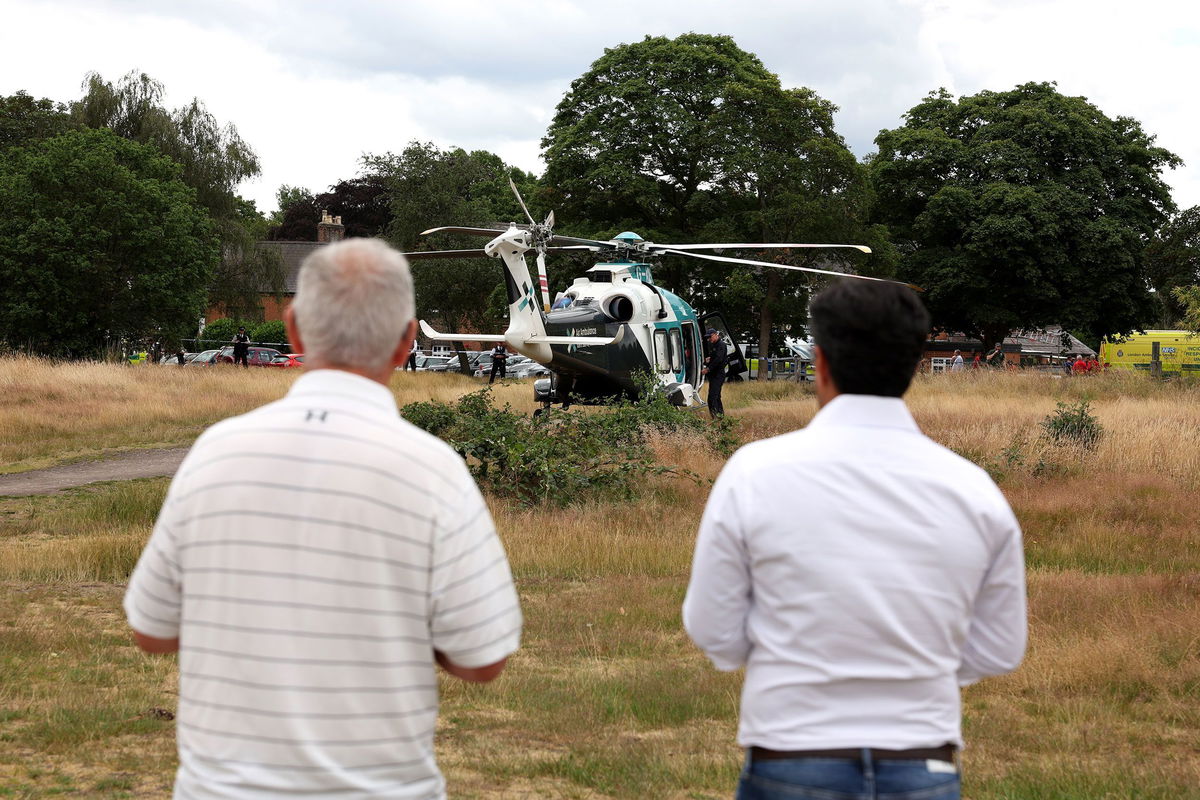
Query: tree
x,y
24,120
693,139
428,187
363,203
1173,260
1022,209
213,160
297,217
99,239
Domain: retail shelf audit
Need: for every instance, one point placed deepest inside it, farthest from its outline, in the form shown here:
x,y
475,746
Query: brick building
x,y
330,229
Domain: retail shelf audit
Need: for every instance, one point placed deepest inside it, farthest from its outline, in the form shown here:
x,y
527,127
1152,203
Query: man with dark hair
x,y
903,580
714,368
241,348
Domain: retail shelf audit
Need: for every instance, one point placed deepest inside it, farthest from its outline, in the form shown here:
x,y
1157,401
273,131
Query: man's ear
x,y
293,333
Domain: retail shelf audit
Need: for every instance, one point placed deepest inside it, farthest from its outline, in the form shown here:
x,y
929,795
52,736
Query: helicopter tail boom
x,y
582,341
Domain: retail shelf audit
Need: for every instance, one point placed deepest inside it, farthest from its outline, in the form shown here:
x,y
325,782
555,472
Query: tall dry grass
x,y
53,412
607,698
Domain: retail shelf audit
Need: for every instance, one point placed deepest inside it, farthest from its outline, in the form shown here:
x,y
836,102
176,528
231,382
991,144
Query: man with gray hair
x,y
315,558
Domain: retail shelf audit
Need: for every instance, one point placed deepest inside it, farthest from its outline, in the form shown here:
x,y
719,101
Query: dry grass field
x,y
607,698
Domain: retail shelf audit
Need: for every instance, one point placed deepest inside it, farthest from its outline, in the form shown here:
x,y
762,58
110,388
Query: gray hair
x,y
354,301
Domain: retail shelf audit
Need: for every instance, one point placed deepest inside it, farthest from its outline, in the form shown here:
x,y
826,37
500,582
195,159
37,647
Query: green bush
x,y
560,457
1074,424
220,332
270,334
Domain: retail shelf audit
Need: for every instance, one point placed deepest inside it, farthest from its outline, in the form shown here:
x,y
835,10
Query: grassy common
x,y
607,698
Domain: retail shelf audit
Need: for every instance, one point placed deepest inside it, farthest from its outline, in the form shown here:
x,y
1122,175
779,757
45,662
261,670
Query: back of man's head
x,y
871,334
353,303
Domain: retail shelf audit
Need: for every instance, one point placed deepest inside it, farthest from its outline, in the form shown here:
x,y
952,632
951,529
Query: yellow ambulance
x,y
1179,352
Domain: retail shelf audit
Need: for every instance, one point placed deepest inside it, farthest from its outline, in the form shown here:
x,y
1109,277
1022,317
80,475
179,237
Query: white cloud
x,y
313,85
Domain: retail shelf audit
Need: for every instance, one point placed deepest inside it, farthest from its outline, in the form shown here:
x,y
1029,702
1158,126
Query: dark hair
x,y
872,334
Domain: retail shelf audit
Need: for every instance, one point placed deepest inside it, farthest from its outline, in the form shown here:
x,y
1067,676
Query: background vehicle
x,y
431,363
288,360
202,359
452,363
257,356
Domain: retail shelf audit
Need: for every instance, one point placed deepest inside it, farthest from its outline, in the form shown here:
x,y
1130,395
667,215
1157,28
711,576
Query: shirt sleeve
x,y
476,617
996,639
719,593
153,600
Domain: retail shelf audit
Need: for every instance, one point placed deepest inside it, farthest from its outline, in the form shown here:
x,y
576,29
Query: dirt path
x,y
123,467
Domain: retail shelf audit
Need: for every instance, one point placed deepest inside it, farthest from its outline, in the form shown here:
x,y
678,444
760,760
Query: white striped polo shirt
x,y
310,556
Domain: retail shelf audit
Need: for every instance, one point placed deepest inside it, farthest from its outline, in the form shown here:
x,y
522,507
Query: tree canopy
x,y
428,187
213,160
1022,209
363,203
1173,261
24,120
693,139
102,240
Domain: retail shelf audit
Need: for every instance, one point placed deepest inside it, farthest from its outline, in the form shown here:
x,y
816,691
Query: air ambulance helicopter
x,y
611,324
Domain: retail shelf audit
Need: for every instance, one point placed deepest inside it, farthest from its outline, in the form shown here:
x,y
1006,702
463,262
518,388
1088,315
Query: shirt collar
x,y
340,382
865,410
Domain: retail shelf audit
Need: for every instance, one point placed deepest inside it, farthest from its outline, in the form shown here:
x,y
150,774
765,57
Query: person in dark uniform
x,y
714,368
241,348
499,362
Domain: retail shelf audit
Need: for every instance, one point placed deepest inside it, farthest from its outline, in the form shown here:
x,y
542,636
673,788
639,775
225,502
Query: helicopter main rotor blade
x,y
423,254
862,248
528,216
492,232
728,260
594,244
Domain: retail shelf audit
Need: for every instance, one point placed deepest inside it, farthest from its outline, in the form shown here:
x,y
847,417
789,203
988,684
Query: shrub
x,y
559,457
1074,424
271,334
219,333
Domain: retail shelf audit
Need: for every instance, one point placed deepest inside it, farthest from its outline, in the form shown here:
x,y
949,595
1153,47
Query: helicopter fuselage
x,y
658,335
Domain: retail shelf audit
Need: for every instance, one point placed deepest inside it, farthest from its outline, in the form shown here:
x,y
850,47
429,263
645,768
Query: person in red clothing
x,y
1093,365
1080,366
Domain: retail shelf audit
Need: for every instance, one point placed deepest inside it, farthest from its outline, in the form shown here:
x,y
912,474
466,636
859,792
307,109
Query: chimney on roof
x,y
330,229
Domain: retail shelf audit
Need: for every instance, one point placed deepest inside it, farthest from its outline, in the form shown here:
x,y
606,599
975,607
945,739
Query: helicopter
x,y
613,323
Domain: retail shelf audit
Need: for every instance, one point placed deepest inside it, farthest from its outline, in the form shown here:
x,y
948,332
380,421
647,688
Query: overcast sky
x,y
314,85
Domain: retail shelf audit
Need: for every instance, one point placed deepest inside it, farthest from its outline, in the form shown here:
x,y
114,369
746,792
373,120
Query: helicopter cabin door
x,y
693,353
737,361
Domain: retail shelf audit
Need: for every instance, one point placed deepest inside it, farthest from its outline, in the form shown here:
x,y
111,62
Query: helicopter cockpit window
x,y
676,350
662,354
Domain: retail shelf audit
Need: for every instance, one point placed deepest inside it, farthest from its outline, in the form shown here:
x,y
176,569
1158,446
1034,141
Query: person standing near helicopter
x,y
499,362
714,368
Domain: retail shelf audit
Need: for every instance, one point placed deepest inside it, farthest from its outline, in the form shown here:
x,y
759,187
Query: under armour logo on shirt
x,y
319,416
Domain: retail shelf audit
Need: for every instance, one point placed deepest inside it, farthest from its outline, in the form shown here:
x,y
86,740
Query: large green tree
x,y
213,160
1023,208
429,187
99,239
24,120
693,139
1173,260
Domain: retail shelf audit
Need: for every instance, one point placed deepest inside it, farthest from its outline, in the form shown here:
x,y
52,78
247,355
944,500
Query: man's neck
x,y
381,376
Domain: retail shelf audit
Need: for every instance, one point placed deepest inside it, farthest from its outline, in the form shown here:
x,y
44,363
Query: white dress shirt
x,y
311,556
861,573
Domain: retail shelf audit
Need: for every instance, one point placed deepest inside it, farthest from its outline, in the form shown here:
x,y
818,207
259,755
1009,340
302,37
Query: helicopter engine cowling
x,y
619,308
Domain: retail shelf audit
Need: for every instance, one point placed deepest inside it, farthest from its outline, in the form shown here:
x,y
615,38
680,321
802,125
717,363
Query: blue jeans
x,y
845,779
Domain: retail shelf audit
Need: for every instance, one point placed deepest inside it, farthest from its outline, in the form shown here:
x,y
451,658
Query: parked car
x,y
256,357
202,359
430,363
288,360
515,366
452,363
